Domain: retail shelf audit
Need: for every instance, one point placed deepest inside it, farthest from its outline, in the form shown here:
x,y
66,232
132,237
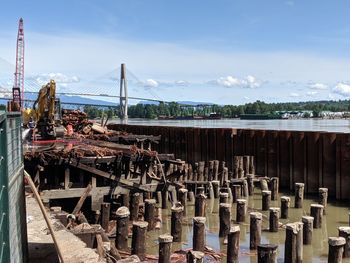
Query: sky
x,y
218,51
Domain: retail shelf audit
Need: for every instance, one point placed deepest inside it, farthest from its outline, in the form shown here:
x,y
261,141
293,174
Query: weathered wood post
x,y
263,184
191,197
233,244
135,206
344,231
300,241
121,239
246,160
323,196
183,199
273,219
291,243
200,205
285,203
216,188
150,213
274,185
210,191
241,210
255,229
251,165
250,181
165,196
223,198
235,167
195,256
336,248
299,195
165,242
125,199
308,222
267,253
138,242
316,211
176,221
236,192
106,210
200,190
199,233
225,219
266,200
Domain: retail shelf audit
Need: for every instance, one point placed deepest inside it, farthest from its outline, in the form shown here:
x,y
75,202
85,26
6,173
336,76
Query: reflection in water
x,y
337,215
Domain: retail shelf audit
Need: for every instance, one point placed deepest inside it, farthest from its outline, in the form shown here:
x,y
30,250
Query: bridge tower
x,y
18,87
123,99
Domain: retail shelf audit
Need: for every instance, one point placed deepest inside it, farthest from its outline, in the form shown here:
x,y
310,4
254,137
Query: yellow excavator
x,y
44,119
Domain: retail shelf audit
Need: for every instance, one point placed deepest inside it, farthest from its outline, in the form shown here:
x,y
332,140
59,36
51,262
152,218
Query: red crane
x,y
18,87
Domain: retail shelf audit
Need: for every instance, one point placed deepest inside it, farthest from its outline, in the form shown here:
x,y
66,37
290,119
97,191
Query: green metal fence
x,y
13,236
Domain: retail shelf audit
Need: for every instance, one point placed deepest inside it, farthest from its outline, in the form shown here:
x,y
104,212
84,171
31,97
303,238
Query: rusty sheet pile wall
x,y
319,159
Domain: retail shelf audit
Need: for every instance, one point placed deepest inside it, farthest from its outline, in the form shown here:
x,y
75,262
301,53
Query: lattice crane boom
x,y
18,87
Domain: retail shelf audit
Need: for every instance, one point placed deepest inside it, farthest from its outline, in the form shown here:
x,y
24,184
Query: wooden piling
x,y
285,203
241,210
290,249
274,185
135,206
223,198
273,219
250,181
336,248
267,253
106,210
150,213
210,191
195,256
225,219
263,184
165,201
245,190
308,222
138,242
300,227
236,192
255,229
182,197
125,200
252,165
233,244
199,233
216,188
266,200
121,239
344,231
323,196
316,211
191,198
165,242
176,223
200,205
299,195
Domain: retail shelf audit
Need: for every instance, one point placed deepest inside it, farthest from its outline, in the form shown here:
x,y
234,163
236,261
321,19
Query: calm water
x,y
337,215
337,125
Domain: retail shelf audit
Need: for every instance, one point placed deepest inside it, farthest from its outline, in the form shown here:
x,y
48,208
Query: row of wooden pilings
x,y
297,233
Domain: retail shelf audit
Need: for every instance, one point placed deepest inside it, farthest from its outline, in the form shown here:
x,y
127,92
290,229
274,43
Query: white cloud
x,y
58,77
150,83
181,83
232,82
294,94
311,93
318,86
342,89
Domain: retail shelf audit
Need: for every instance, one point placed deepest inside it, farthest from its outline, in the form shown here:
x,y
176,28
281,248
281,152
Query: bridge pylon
x,y
123,99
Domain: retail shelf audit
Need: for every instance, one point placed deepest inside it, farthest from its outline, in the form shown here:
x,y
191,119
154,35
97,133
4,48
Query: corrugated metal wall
x,y
319,159
13,230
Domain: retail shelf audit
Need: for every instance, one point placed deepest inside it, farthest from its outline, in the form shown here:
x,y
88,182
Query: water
x,y
337,215
325,125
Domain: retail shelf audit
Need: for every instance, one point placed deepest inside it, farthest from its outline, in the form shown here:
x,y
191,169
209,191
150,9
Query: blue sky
x,y
227,52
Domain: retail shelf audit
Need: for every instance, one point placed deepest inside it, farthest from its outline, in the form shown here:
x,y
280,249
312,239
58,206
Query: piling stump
x,y
266,200
263,184
267,253
250,181
138,243
236,192
299,195
195,256
165,196
176,221
308,222
223,198
274,185
183,199
135,206
285,203
150,213
191,197
273,219
216,188
255,229
316,211
336,248
200,205
199,233
323,197
121,240
165,242
292,243
241,210
225,219
233,244
344,231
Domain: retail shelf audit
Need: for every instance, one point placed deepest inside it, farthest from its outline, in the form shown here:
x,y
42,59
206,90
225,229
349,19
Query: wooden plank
x,y
329,164
82,199
313,149
260,158
272,152
284,159
72,193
